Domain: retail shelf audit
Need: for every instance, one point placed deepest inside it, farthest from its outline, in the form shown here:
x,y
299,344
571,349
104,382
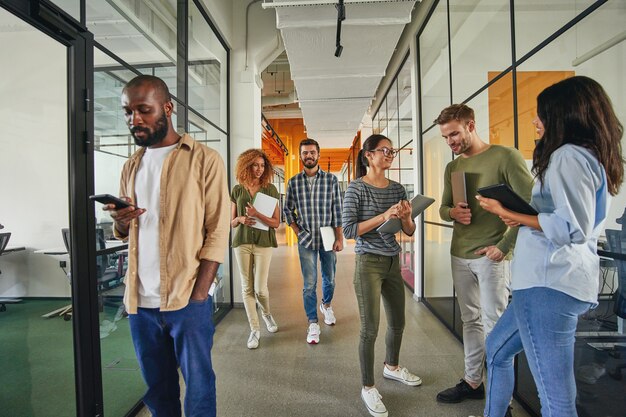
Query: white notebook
x,y
265,205
328,237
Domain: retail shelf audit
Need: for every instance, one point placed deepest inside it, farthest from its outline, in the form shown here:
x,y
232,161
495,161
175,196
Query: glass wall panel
x,y
493,111
71,7
438,287
556,61
382,118
37,377
405,104
434,65
392,115
473,23
590,48
140,33
122,384
535,21
207,70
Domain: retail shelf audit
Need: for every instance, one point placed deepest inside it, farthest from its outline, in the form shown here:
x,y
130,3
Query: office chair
x,y
107,276
615,240
4,240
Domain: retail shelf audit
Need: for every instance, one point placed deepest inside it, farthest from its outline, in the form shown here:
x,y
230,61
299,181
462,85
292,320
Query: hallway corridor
x,y
286,377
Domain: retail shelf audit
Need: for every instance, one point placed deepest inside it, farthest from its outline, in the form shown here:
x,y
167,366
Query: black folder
x,y
509,198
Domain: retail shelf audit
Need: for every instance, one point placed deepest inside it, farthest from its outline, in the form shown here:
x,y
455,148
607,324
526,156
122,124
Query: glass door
x,y
36,349
49,355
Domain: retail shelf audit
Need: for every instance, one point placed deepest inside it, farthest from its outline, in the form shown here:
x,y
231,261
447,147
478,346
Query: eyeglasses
x,y
387,152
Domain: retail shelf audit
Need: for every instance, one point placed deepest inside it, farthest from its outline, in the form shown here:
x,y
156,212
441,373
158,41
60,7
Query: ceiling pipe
x,y
323,3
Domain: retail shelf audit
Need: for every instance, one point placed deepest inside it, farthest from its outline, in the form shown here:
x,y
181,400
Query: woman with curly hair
x,y
252,246
578,166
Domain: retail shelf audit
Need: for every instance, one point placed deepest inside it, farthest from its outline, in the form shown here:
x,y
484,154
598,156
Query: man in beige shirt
x,y
177,230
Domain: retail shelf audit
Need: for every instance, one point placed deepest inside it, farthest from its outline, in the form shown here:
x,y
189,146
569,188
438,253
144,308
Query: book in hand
x,y
509,198
419,203
459,192
265,205
328,237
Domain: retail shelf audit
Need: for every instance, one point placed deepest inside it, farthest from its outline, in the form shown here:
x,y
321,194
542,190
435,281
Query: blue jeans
x,y
308,264
541,322
165,340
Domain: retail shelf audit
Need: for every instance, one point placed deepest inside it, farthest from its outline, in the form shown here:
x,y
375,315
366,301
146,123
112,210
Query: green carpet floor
x,y
37,362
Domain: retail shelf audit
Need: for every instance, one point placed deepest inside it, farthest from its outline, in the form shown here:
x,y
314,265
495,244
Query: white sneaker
x,y
329,315
313,335
253,340
372,400
403,375
272,327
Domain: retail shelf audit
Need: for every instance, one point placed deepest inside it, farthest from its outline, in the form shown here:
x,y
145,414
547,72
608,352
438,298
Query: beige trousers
x,y
254,267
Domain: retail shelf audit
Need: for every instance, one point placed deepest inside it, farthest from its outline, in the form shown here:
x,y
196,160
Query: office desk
x,y
61,255
8,300
11,249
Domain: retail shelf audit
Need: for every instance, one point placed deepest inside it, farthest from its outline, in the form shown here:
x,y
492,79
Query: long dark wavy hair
x,y
577,110
369,145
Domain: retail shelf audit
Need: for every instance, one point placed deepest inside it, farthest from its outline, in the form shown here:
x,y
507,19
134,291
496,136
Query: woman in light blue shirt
x,y
578,165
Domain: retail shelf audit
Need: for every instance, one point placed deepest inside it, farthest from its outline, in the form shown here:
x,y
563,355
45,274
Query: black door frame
x,y
52,21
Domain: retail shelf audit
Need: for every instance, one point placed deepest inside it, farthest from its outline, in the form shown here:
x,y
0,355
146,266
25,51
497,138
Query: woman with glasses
x,y
370,200
253,246
578,165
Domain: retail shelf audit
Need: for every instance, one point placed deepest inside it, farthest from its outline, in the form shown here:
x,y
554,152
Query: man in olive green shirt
x,y
480,240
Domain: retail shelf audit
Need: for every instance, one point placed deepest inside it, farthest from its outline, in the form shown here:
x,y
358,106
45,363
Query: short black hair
x,y
158,84
309,141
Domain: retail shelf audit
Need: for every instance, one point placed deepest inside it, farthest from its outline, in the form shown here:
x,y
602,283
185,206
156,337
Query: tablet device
x,y
109,199
419,203
509,198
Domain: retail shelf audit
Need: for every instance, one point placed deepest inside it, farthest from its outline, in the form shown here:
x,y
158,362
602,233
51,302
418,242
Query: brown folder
x,y
459,194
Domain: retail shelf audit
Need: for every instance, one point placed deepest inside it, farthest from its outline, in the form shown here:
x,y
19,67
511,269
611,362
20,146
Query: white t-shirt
x,y
148,192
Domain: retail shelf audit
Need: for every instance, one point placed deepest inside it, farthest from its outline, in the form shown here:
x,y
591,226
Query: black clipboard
x,y
509,198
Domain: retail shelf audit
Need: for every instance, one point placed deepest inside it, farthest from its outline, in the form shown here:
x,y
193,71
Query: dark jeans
x,y
165,340
377,275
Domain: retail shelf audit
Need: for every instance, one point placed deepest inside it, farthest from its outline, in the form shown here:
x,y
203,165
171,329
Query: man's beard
x,y
308,164
151,138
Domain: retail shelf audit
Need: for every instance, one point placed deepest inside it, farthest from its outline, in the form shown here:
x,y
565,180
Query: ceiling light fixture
x,y
341,16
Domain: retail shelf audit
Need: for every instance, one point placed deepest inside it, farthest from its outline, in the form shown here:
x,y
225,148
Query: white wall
x,y
245,101
33,161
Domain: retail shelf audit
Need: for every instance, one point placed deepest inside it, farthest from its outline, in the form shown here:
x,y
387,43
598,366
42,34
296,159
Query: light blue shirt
x,y
573,205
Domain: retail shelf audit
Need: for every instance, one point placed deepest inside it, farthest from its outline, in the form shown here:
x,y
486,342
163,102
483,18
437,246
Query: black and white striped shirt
x,y
364,201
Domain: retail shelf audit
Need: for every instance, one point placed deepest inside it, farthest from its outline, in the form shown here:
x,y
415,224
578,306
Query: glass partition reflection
x,y
138,32
434,66
438,287
37,377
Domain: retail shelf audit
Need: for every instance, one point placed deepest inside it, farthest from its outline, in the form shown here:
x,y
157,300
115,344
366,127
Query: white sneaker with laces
x,y
253,340
272,327
403,375
313,335
329,314
372,400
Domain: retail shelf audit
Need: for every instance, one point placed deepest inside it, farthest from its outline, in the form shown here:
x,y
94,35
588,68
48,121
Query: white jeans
x,y
482,289
254,267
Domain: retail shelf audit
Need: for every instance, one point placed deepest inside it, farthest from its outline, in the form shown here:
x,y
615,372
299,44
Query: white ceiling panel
x,y
335,93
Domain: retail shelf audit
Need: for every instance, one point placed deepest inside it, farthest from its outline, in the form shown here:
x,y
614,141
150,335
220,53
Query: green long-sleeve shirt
x,y
496,165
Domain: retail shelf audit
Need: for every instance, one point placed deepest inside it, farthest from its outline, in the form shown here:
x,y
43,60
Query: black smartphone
x,y
110,199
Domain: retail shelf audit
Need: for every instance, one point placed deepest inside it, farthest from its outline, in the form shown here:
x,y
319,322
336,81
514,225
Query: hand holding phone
x,y
109,199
